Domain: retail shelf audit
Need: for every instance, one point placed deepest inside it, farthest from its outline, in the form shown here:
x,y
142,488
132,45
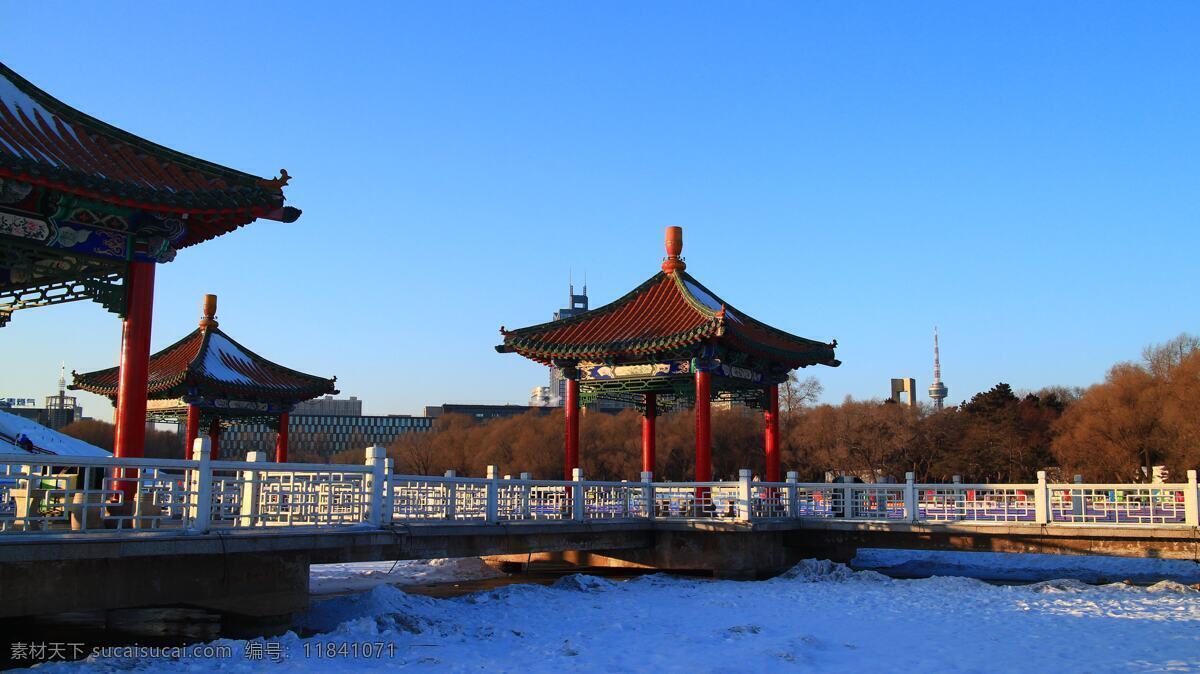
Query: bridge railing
x,y
59,495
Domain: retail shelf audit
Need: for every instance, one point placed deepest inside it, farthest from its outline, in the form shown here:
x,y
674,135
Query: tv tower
x,y
937,390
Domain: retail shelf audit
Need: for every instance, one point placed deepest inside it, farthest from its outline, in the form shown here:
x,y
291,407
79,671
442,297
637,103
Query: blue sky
x,y
1024,175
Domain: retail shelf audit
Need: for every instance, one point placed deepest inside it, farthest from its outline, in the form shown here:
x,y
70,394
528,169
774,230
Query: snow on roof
x,y
14,428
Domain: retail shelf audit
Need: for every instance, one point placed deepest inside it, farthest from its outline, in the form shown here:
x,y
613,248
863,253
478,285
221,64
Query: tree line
x,y
1143,414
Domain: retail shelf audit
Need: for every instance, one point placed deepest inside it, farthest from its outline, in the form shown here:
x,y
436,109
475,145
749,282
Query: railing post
x,y
745,497
626,500
1077,500
793,498
493,495
1191,501
200,486
1041,500
376,482
451,496
910,497
847,490
579,499
956,479
248,513
525,489
647,478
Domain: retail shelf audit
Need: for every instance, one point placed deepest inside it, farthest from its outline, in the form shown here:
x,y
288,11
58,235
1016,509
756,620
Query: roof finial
x,y
209,319
674,243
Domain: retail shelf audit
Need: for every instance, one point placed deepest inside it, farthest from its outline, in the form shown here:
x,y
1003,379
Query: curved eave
x,y
238,193
717,320
243,201
627,349
798,352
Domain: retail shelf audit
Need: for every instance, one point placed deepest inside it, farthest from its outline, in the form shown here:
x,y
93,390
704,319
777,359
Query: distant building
x,y
326,426
906,387
330,406
56,412
480,411
539,396
577,304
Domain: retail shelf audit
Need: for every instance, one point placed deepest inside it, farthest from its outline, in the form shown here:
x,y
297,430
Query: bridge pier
x,y
257,584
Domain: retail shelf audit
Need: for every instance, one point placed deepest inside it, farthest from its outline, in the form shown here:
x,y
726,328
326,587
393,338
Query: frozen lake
x,y
818,617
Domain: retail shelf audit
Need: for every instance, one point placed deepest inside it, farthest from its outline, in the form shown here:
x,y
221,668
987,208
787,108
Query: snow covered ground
x,y
820,617
341,578
13,428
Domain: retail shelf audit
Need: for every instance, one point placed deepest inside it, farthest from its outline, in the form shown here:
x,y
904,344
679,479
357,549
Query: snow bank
x,y
339,578
820,617
12,427
1025,567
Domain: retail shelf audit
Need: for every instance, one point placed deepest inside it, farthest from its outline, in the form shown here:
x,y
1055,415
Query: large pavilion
x,y
210,380
670,342
87,212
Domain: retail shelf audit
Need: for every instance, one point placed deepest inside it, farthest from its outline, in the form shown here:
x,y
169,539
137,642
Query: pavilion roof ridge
x,y
317,380
182,368
590,314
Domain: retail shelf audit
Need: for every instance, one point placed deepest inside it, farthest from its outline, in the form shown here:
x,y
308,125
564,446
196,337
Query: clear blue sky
x,y
1025,175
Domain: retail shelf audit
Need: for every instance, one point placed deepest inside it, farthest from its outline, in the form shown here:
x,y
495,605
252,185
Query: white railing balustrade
x,y
58,495
977,503
1118,504
695,500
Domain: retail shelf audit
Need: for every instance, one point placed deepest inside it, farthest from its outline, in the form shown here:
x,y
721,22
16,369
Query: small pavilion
x,y
670,342
88,211
210,380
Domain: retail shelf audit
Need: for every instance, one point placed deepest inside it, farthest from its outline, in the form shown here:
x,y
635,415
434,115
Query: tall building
x,y
577,304
937,390
539,396
904,390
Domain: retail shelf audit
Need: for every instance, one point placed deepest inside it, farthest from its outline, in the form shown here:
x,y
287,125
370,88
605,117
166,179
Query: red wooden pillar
x,y
281,439
193,430
572,414
648,458
130,440
214,437
771,435
130,427
703,426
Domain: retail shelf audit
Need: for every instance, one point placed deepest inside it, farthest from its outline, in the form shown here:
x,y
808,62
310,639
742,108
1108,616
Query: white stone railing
x,y
58,495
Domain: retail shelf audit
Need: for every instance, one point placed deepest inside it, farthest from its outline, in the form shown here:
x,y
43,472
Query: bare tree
x,y
1161,358
796,394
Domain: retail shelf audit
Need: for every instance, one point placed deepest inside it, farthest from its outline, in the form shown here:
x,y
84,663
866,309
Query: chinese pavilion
x,y
211,380
87,211
670,342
